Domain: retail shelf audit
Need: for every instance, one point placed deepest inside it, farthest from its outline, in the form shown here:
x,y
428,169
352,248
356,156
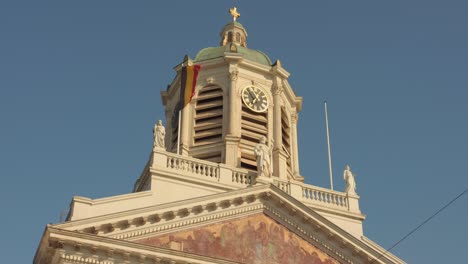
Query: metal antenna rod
x,y
329,149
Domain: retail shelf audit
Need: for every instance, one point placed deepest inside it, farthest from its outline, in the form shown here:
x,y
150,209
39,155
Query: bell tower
x,y
240,97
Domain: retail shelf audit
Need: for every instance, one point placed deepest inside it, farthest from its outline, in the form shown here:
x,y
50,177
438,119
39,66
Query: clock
x,y
255,99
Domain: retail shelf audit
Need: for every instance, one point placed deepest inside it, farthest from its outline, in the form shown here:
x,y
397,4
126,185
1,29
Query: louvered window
x,y
208,127
253,126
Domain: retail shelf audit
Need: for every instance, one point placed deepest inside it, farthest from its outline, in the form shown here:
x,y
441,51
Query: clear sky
x,y
79,95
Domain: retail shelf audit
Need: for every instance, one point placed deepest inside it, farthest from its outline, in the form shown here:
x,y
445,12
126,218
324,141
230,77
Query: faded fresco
x,y
256,239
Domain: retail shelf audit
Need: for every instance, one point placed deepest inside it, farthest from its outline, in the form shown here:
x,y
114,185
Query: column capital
x,y
277,89
233,75
294,118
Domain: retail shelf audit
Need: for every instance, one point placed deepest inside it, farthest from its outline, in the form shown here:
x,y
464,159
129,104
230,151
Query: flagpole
x,y
329,149
178,133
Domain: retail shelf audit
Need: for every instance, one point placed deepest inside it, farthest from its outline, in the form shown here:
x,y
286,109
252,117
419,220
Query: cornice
x,y
86,248
164,207
115,198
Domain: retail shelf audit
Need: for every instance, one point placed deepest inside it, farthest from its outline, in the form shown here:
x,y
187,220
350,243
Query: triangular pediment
x,y
259,224
253,239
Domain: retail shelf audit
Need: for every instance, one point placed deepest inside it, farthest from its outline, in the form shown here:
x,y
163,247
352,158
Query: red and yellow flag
x,y
188,83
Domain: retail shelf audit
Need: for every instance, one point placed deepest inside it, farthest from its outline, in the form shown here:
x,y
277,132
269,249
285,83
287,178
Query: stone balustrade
x,y
238,178
194,167
320,197
241,177
324,196
202,169
285,186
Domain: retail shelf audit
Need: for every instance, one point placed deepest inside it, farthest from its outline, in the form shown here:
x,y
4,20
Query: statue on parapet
x,y
348,176
263,153
159,134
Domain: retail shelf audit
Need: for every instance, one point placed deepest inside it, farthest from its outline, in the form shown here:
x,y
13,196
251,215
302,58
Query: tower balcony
x,y
171,177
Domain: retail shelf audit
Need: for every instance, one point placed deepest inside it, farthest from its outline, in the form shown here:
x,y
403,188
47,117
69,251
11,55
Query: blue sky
x,y
79,95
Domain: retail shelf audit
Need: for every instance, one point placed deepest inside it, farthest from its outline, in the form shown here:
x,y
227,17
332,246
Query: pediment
x,y
253,239
271,225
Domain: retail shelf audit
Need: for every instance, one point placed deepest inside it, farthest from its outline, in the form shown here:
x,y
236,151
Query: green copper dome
x,y
234,23
218,52
233,40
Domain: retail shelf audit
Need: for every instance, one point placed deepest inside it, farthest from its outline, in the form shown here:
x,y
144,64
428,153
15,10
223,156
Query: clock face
x,y
255,99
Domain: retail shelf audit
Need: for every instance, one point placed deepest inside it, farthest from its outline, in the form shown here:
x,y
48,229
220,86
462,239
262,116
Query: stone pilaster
x,y
295,152
232,121
279,158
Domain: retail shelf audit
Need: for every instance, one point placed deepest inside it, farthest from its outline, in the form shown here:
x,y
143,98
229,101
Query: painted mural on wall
x,y
256,239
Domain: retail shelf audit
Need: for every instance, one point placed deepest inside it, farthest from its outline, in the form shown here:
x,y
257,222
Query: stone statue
x,y
263,154
159,133
349,179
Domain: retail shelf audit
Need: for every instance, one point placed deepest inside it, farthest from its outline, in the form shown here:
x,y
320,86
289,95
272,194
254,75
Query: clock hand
x,y
254,96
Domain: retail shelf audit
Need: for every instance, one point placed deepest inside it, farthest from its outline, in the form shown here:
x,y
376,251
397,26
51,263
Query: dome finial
x,y
234,13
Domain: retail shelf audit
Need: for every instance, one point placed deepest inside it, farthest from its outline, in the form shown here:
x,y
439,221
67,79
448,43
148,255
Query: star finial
x,y
234,13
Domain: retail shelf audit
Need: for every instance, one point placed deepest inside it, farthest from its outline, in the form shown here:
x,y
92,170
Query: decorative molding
x,y
233,75
109,252
294,118
200,215
277,89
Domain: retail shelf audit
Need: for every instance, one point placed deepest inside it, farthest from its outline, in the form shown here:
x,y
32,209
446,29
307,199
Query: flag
x,y
187,84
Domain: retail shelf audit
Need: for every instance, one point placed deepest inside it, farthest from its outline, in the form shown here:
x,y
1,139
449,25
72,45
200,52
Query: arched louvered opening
x,y
238,37
208,127
286,138
253,126
230,36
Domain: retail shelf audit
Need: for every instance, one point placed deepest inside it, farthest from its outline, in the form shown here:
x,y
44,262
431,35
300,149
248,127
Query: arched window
x,y
238,37
230,36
